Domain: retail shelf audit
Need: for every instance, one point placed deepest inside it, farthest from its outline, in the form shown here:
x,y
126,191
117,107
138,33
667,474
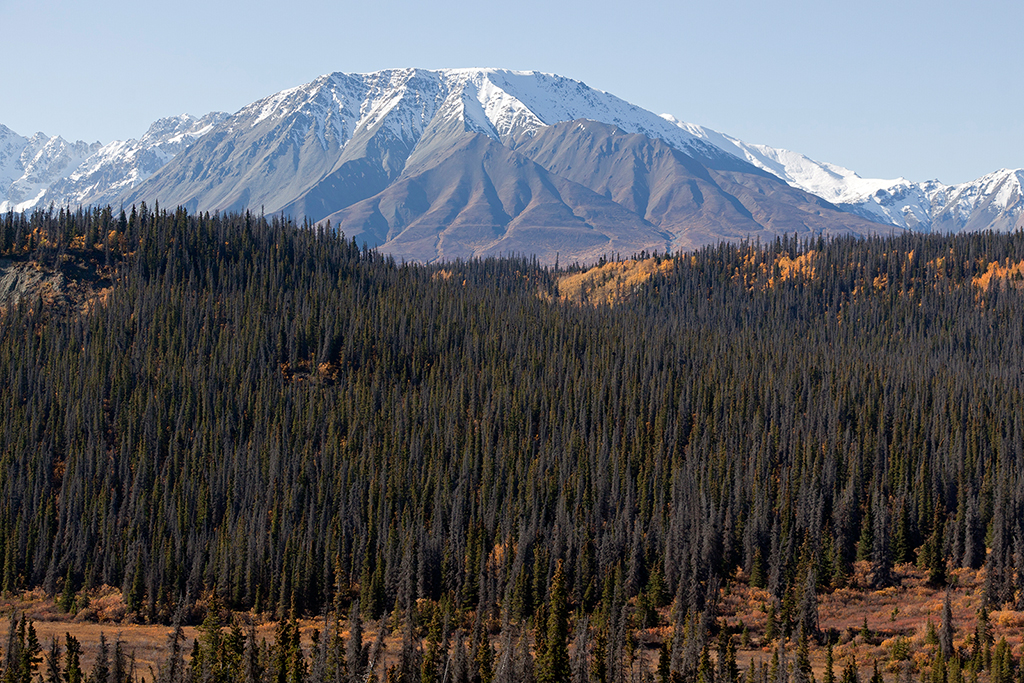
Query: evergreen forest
x,y
263,417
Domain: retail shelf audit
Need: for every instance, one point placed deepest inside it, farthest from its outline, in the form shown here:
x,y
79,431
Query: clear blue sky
x,y
887,88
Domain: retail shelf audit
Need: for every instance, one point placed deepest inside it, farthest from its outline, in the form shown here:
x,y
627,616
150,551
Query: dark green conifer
x,y
554,666
72,660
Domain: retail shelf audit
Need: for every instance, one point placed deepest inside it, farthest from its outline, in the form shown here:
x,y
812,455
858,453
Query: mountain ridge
x,y
921,206
364,151
321,149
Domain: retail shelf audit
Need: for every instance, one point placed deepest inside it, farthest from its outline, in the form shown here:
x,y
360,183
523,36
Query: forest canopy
x,y
268,412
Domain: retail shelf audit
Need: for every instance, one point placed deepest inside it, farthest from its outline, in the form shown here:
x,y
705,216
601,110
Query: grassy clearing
x,y
870,625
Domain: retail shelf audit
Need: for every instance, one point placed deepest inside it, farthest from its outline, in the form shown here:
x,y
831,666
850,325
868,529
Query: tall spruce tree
x,y
553,667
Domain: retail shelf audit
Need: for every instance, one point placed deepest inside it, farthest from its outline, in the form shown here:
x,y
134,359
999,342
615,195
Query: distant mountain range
x,y
431,165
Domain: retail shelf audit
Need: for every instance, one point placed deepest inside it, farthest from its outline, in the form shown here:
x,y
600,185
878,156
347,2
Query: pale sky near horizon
x,y
887,88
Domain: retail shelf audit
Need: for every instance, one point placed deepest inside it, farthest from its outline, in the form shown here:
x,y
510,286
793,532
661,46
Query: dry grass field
x,y
891,614
899,612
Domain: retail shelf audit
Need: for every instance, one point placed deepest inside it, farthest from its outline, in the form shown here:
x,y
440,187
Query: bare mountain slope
x,y
324,148
468,162
317,148
695,200
482,199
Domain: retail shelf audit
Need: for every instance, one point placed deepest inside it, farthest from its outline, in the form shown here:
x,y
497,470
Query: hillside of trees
x,y
268,414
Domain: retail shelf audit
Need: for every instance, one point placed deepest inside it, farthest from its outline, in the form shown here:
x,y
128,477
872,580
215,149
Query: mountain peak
x,y
317,149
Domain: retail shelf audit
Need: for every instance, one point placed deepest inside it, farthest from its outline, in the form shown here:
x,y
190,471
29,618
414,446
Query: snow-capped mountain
x,y
29,166
992,202
118,167
342,119
38,171
438,164
463,162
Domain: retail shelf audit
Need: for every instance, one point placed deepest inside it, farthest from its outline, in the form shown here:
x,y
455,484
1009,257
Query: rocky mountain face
x,y
315,149
483,199
436,165
993,202
29,166
696,200
431,165
38,171
119,167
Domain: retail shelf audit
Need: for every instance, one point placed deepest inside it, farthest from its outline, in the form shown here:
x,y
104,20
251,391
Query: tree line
x,y
267,413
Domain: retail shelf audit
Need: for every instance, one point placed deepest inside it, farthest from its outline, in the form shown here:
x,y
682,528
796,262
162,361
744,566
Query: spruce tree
x,y
355,654
72,660
554,666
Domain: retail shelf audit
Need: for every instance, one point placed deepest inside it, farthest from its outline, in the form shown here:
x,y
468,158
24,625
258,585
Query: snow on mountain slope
x,y
313,149
496,102
273,151
11,145
993,201
121,165
29,166
342,138
515,102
